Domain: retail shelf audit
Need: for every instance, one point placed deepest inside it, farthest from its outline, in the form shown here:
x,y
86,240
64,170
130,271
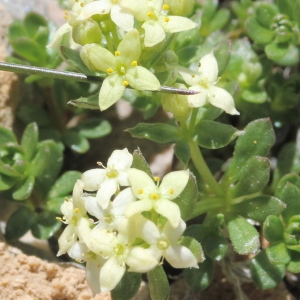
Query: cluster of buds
x,y
120,219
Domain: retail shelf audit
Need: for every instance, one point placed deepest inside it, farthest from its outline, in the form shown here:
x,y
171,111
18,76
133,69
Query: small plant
x,y
238,181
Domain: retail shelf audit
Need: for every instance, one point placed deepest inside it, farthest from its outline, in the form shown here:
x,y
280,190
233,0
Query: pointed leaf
x,y
140,163
93,128
182,151
6,182
76,141
6,136
91,102
24,189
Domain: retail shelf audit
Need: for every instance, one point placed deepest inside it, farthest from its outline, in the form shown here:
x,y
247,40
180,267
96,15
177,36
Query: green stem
x,y
203,169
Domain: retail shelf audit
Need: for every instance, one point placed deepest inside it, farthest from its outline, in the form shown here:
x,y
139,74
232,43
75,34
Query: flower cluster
x,y
113,222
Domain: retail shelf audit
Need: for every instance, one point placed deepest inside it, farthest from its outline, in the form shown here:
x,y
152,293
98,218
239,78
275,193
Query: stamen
x,y
165,7
151,14
140,191
110,70
117,53
171,191
125,83
76,210
156,178
134,63
166,19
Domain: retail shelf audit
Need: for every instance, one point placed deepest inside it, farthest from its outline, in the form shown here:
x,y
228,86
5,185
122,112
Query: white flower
x,y
156,197
154,14
205,82
107,181
121,16
164,243
118,252
113,216
73,210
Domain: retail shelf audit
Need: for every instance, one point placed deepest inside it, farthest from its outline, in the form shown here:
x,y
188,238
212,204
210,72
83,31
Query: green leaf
x,y
158,132
214,135
29,140
244,237
75,141
7,170
33,21
273,229
294,264
16,29
264,274
199,279
259,208
219,20
276,51
278,254
64,185
72,57
140,163
53,205
45,226
290,195
127,287
182,151
6,136
258,33
33,113
256,140
158,284
215,246
6,182
188,197
254,176
94,128
29,50
265,12
24,189
91,102
291,178
19,223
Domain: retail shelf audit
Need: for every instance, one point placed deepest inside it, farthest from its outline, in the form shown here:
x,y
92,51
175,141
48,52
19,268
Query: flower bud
x,y
182,8
176,104
86,32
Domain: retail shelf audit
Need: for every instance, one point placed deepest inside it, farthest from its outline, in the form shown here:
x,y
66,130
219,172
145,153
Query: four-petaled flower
x,y
122,68
156,197
107,181
205,82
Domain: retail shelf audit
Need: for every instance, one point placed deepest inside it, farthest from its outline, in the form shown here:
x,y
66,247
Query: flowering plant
x,y
234,139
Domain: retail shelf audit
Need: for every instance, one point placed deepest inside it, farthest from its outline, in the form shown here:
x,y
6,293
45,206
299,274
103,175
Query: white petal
x,y
174,183
58,36
173,233
111,274
123,179
67,209
92,179
176,23
93,207
120,160
140,260
93,8
92,273
154,33
141,183
189,77
169,210
208,68
180,257
77,251
121,201
199,99
122,18
138,207
221,98
67,239
77,199
104,194
101,241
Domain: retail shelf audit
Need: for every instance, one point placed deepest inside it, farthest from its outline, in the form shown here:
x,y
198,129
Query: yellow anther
x,y
154,196
76,210
166,19
125,83
82,4
150,14
193,75
171,191
110,70
140,191
165,7
117,53
134,63
58,218
156,178
67,199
